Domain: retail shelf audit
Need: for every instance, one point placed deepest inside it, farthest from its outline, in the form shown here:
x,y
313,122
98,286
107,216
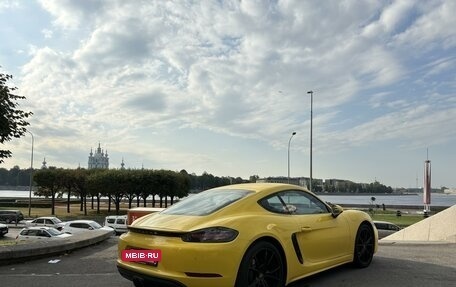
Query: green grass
x,y
407,218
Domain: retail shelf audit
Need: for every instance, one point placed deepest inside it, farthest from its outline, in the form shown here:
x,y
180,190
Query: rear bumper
x,y
146,280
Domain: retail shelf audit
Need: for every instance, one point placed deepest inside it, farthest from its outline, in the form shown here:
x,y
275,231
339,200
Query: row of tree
x,y
15,176
116,185
21,177
352,187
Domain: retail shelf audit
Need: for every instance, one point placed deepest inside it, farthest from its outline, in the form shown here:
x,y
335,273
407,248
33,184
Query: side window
x,y
110,220
33,232
381,226
294,202
48,221
120,221
39,221
300,202
79,225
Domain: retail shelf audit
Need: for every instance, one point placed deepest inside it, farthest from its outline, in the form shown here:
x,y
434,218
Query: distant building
x,y
99,159
301,181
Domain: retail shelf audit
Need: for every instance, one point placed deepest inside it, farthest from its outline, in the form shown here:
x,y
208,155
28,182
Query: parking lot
x,y
394,265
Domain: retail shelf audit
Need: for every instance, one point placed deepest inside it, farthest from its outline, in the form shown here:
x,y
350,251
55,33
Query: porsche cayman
x,y
260,234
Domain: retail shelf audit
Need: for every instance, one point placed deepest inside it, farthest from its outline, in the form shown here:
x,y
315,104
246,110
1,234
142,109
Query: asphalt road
x,y
394,265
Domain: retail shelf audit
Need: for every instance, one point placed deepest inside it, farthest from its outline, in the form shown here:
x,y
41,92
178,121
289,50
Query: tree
x,y
48,182
12,120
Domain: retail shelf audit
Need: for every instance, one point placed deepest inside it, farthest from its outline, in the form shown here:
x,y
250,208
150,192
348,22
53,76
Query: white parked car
x,y
40,233
46,221
79,226
117,222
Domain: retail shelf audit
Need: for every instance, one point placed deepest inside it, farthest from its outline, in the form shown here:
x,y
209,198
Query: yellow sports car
x,y
259,234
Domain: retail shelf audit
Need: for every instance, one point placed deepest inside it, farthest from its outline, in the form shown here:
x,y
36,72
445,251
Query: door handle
x,y
306,228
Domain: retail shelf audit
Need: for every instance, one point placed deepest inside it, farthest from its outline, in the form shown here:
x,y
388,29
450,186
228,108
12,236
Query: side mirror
x,y
336,210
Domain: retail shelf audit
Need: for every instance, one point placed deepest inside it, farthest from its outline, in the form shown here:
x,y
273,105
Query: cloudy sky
x,y
219,86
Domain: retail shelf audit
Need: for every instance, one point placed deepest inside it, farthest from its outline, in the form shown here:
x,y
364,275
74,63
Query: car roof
x,y
80,221
116,216
384,222
262,187
46,217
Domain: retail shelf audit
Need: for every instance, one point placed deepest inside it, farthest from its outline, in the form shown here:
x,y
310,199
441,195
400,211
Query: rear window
x,y
95,225
206,202
56,220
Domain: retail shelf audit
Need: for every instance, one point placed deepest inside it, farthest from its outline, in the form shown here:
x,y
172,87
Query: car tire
x,y
364,246
262,265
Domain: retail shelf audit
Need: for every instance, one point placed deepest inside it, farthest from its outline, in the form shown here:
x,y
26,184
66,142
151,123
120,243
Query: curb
x,y
23,252
412,242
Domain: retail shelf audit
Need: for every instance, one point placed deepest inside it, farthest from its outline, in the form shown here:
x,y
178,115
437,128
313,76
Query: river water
x,y
437,199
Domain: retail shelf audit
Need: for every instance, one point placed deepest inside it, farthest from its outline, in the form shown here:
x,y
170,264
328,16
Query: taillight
x,y
211,235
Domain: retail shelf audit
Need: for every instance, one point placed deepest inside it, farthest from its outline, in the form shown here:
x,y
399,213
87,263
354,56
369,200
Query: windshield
x,y
206,202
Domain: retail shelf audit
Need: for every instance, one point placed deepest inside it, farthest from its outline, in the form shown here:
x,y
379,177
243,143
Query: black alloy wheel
x,y
262,266
364,246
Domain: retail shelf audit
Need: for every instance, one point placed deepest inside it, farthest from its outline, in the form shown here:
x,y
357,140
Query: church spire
x,y
44,164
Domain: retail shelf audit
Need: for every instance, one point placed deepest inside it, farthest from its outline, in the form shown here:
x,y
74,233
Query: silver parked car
x,y
80,226
9,216
48,221
40,233
385,228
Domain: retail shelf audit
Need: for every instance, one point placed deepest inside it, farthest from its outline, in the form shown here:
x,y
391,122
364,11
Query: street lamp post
x,y
311,103
289,141
31,177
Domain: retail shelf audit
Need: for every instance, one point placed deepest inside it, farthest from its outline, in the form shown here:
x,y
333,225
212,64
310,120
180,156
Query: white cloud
x,y
145,71
72,14
9,5
390,20
47,33
434,28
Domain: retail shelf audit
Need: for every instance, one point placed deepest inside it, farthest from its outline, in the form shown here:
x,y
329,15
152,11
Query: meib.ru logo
x,y
150,257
